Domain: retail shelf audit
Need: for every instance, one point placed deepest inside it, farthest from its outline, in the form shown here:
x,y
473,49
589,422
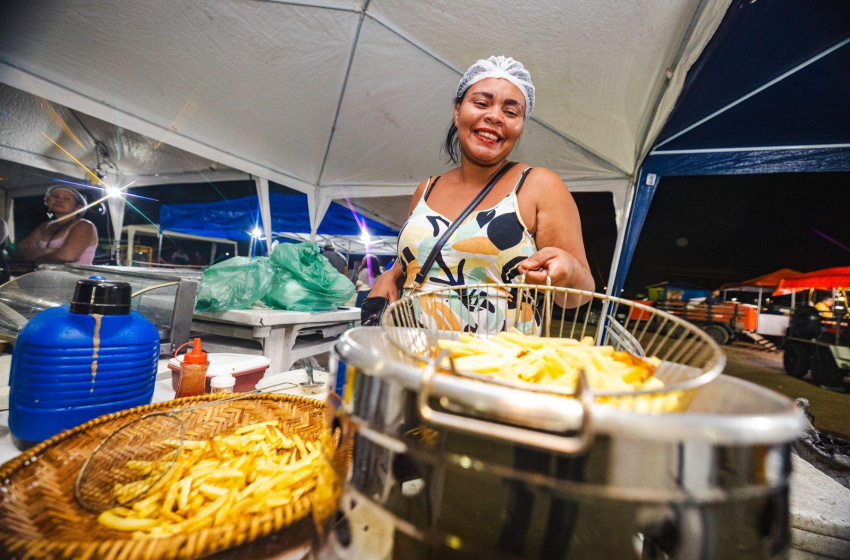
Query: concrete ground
x,y
830,409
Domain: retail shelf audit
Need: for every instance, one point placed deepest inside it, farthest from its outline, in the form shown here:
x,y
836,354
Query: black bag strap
x,y
426,265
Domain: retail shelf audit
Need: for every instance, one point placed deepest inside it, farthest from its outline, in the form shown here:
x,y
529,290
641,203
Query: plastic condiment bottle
x,y
193,372
223,383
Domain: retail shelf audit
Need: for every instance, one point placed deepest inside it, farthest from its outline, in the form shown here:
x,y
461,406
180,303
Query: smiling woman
x,y
67,238
527,223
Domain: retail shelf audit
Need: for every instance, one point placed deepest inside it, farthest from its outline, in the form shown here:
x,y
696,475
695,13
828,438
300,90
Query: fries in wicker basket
x,y
552,361
214,482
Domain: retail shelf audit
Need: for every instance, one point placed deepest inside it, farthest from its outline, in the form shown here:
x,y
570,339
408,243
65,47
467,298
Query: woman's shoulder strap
x,y
430,187
522,180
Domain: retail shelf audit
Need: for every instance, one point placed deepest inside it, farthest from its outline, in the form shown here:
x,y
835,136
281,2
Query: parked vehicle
x,y
724,322
819,341
819,344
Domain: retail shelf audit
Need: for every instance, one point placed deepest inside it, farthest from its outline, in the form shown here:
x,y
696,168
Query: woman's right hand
x,y
386,285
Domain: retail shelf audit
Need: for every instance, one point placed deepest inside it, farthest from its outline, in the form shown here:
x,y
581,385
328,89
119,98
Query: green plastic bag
x,y
235,284
305,280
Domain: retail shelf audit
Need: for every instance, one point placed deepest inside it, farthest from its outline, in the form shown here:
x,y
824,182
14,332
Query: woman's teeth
x,y
488,135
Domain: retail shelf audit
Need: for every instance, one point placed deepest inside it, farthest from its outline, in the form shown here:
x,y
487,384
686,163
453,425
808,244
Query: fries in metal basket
x,y
552,361
214,482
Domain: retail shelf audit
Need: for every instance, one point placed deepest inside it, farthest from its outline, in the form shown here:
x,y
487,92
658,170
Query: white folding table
x,y
278,331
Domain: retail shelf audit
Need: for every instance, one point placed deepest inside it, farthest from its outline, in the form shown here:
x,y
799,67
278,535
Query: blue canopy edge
x,y
236,219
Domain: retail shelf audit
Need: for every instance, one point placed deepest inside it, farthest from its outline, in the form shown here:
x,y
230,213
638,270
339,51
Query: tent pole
x,y
159,248
213,251
758,311
116,206
6,199
131,238
621,233
265,211
11,221
317,206
636,208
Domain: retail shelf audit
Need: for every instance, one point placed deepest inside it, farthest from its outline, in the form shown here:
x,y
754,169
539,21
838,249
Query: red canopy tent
x,y
771,280
772,325
826,279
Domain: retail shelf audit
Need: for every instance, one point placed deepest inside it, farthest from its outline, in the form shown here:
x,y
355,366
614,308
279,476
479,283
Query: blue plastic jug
x,y
74,363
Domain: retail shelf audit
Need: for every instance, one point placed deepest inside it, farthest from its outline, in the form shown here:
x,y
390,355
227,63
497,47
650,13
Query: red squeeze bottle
x,y
193,372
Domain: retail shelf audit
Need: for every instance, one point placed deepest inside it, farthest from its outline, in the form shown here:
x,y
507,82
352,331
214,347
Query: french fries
x,y
552,361
213,482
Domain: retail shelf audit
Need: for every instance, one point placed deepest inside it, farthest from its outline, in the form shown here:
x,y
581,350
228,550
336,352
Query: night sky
x,y
711,230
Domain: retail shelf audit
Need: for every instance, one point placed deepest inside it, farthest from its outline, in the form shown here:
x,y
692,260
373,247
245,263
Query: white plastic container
x,y
247,369
222,383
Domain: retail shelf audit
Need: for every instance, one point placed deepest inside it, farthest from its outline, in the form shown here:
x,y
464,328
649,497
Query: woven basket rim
x,y
8,469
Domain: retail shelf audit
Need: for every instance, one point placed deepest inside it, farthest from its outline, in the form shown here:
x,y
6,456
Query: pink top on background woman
x,y
88,253
67,238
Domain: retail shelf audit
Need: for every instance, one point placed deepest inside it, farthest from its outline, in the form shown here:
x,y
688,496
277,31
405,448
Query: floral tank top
x,y
485,249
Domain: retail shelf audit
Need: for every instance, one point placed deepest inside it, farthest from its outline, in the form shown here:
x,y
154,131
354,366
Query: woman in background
x,y
67,237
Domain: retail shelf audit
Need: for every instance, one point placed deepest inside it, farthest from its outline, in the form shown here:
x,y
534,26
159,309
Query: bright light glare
x,y
113,191
365,237
257,232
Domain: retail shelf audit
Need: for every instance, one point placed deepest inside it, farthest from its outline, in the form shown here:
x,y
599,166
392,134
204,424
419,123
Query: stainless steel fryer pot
x,y
710,482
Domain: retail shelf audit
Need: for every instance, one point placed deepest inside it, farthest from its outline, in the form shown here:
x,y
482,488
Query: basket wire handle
x,y
548,302
247,394
566,445
153,427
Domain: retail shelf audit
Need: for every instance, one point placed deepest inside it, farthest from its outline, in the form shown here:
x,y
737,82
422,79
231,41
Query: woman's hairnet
x,y
500,67
78,196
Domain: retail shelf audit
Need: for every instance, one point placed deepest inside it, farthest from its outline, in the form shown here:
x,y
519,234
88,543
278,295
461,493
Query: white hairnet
x,y
500,67
77,194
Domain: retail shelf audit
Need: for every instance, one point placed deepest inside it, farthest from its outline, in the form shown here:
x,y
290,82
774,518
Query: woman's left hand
x,y
555,263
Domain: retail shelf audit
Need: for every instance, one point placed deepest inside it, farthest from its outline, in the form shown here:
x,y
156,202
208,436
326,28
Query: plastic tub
x,y
246,368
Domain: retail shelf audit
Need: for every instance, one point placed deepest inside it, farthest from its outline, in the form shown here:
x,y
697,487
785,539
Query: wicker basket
x,y
40,518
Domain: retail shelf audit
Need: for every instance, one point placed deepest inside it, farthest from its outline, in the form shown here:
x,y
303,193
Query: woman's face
x,y
489,120
62,202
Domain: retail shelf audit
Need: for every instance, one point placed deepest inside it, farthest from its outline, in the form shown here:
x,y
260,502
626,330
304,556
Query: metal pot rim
x,y
727,411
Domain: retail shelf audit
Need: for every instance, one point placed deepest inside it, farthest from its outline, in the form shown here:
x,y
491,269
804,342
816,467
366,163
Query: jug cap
x,y
196,356
99,297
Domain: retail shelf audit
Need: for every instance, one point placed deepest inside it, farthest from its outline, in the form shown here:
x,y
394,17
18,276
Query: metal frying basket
x,y
689,357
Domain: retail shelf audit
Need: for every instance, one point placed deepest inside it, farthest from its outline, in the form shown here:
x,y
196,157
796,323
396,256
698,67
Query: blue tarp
x,y
236,219
769,94
687,290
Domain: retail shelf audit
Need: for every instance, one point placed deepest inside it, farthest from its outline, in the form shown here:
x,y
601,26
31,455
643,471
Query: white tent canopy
x,y
351,99
31,125
36,132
